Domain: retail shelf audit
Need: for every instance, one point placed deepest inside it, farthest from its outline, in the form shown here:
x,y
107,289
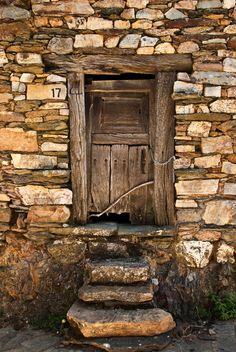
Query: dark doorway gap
x,y
124,76
111,217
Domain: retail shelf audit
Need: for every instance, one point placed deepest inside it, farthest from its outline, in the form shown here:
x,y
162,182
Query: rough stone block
x,y
221,144
16,139
5,97
229,168
48,214
88,40
3,58
229,65
106,4
209,4
213,91
149,14
39,195
33,162
29,59
117,271
188,47
230,189
208,161
93,322
174,14
130,41
46,91
215,78
138,4
196,254
53,147
225,254
164,48
61,45
220,212
197,187
5,215
199,129
58,8
67,251
95,23
13,13
225,105
186,203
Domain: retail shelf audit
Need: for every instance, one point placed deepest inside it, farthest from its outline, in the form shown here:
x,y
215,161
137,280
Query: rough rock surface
x,y
101,323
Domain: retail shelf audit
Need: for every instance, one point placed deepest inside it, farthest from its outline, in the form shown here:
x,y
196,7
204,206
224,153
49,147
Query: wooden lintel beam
x,y
117,64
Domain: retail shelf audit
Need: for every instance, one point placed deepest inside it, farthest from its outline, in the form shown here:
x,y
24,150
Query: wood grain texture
x,y
163,149
106,64
78,146
121,138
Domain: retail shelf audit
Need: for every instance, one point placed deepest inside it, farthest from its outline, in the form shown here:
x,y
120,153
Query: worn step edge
x,y
92,322
122,294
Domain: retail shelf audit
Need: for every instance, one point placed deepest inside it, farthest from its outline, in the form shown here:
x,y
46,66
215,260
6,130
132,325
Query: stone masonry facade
x,y
42,254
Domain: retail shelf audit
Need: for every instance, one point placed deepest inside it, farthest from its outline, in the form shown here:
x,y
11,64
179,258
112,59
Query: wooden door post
x,y
78,146
163,149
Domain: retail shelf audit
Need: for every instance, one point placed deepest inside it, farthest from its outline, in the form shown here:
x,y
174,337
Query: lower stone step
x,y
125,271
92,322
122,294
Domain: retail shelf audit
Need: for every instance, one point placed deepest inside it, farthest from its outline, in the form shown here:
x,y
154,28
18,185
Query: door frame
x,y
164,67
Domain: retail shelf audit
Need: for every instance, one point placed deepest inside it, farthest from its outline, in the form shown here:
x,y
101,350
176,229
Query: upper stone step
x,y
121,294
126,271
92,322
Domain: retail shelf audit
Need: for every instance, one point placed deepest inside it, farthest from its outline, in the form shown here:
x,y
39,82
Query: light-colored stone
x,y
16,139
209,4
185,148
199,129
197,187
221,144
220,212
164,48
4,197
187,88
148,41
224,105
94,322
88,40
188,215
55,78
106,4
46,91
213,91
185,109
182,163
3,58
196,254
229,65
26,161
130,41
48,213
228,4
13,13
121,24
145,51
76,22
61,45
174,14
95,23
112,42
231,29
186,4
215,78
186,203
53,147
208,161
229,168
142,24
230,189
29,59
27,77
225,254
188,47
58,8
39,195
149,14
128,14
138,4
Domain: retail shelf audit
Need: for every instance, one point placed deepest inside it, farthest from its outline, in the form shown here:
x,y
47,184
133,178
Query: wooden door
x,y
119,157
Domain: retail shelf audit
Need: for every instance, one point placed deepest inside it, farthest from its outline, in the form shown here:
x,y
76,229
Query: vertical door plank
x,y
119,177
100,178
78,146
138,174
164,149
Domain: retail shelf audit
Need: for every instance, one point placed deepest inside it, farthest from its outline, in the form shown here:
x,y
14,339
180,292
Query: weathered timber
x,y
125,271
163,150
92,322
203,117
122,294
120,138
106,64
78,146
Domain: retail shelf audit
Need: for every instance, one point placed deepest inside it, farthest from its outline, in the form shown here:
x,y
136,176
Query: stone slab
x,y
81,7
124,271
16,139
49,91
122,294
92,322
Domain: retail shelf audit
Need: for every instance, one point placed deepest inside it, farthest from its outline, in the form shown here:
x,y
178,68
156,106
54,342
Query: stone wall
x,y
41,255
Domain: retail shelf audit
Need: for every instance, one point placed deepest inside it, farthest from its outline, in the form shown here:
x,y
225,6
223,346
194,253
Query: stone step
x,y
93,322
125,271
122,294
